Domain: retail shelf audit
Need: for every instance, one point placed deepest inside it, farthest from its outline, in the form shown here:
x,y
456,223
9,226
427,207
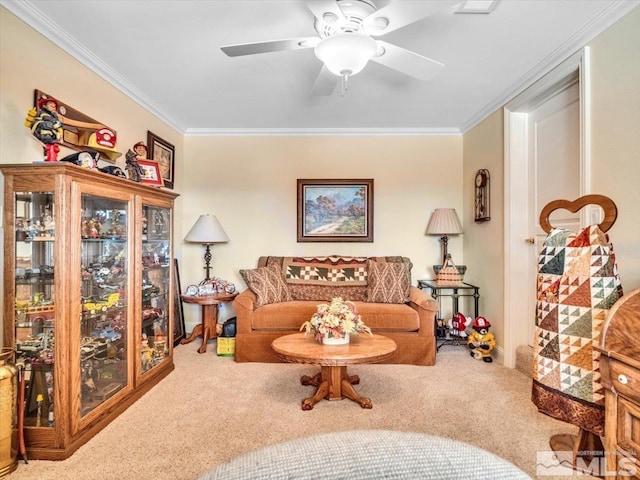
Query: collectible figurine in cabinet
x,y
89,375
160,222
146,353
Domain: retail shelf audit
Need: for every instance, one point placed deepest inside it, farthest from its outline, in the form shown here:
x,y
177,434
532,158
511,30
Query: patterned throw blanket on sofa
x,y
578,283
320,270
322,278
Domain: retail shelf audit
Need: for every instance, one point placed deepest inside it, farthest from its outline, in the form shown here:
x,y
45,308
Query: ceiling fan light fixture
x,y
346,53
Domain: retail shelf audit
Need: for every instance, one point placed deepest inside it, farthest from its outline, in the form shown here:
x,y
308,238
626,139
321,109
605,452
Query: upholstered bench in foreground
x,y
367,454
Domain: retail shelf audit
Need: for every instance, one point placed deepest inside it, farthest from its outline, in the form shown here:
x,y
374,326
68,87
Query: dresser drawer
x,y
625,380
628,437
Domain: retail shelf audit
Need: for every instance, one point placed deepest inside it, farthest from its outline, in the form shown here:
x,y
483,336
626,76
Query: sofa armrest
x,y
426,307
244,305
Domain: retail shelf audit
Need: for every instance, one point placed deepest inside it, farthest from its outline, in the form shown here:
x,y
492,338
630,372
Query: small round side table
x,y
210,304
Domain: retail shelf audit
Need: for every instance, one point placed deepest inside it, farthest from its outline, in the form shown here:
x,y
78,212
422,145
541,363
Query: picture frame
x,y
151,174
164,153
338,210
178,309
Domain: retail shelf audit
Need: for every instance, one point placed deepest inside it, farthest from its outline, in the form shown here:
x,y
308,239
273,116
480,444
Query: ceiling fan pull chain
x,y
345,86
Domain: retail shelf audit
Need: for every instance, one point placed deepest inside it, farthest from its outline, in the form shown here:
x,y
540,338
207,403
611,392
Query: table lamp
x,y
444,222
207,231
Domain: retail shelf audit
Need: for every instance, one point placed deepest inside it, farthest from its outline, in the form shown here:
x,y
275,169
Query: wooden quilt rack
x,y
608,207
585,445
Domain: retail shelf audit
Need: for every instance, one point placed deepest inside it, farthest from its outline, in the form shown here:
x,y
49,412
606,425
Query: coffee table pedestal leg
x,y
333,383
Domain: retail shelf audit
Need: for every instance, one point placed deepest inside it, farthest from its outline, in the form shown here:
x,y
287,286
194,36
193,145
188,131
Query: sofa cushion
x,y
268,284
380,317
388,282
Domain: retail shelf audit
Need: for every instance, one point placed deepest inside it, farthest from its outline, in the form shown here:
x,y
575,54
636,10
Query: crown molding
x,y
606,18
318,132
32,16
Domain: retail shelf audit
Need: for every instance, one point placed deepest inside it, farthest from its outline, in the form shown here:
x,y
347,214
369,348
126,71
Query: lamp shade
x,y
444,221
207,229
346,53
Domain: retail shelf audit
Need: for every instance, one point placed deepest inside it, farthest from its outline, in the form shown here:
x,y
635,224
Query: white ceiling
x,y
166,55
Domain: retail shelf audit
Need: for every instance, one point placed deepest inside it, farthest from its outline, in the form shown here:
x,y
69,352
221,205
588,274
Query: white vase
x,y
327,340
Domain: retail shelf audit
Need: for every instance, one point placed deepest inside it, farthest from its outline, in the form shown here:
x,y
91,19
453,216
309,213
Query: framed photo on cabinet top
x,y
151,174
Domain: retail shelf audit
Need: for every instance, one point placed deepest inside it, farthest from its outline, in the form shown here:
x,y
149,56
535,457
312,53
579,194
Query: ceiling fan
x,y
345,40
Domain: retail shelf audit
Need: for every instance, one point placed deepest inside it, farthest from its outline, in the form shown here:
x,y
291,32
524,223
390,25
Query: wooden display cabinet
x,y
620,369
87,297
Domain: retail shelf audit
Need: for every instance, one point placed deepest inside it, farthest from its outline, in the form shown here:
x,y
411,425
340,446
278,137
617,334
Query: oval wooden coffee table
x,y
333,382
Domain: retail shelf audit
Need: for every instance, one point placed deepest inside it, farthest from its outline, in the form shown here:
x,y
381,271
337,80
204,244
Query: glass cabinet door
x,y
156,283
104,273
34,318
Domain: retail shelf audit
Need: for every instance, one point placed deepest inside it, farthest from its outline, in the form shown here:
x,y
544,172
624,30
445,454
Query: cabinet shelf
x,y
38,239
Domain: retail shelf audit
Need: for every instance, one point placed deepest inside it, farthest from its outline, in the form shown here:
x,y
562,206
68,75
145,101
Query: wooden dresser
x,y
620,368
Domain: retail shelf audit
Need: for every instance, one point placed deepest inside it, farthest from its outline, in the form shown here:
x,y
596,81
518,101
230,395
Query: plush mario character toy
x,y
481,342
458,325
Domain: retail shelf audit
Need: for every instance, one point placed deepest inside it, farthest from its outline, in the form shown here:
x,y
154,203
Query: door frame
x,y
516,177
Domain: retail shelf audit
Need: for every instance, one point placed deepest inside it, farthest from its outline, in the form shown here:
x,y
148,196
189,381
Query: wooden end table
x,y
210,305
333,382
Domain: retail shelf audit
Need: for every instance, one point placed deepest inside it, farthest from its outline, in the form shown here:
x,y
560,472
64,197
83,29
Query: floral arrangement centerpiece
x,y
335,321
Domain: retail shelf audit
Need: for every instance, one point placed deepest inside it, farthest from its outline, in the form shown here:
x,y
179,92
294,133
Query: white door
x,y
553,138
546,158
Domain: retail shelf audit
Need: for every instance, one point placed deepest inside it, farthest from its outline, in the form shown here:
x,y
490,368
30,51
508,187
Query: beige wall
x,y
249,183
615,139
483,147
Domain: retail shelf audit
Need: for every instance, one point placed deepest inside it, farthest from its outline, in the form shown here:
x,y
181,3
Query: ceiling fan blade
x,y
399,14
270,46
407,62
320,7
325,83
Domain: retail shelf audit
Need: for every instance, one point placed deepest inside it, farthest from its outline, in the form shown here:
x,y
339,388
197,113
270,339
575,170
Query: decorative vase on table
x,y
340,318
330,340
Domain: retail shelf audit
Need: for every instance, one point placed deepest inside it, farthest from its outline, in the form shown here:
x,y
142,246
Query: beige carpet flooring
x,y
211,409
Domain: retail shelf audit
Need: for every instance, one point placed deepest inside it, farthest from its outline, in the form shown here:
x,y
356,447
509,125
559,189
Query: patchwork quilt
x,y
578,282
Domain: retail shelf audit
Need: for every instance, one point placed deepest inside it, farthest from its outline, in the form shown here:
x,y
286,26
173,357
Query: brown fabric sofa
x,y
313,280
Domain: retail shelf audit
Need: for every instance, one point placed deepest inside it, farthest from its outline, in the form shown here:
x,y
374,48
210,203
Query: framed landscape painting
x,y
335,210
